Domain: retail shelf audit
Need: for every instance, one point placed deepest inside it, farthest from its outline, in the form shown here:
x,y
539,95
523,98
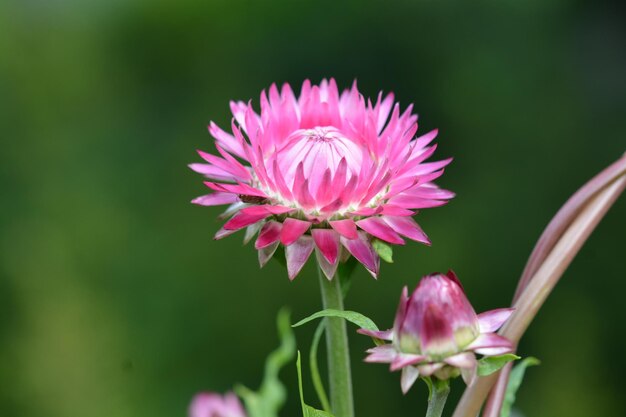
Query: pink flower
x,y
209,404
323,171
436,332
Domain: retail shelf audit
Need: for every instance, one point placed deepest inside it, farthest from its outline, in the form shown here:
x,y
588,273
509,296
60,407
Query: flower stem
x,y
438,397
337,349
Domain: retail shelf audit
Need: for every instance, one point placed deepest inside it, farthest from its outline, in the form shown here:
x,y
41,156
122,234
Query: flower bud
x,y
209,404
437,332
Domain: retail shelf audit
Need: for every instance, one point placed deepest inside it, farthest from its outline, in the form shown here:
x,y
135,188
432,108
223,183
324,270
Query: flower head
x,y
323,171
209,404
437,332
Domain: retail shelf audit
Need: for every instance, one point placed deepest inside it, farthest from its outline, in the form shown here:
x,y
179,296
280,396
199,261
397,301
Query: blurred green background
x,y
115,300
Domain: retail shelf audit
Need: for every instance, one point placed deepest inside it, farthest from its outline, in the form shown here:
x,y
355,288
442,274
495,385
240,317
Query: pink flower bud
x,y
439,317
209,404
437,332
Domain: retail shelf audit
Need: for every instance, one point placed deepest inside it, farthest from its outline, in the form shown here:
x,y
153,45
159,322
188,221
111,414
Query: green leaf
x,y
315,372
491,364
384,250
267,401
352,316
307,410
515,380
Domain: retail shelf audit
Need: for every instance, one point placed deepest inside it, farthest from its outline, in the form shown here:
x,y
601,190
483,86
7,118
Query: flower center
x,y
318,149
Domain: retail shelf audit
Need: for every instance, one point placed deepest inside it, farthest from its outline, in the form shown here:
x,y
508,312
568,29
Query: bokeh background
x,y
115,301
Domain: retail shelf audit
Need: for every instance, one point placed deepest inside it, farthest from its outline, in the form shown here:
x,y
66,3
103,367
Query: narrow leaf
x,y
352,316
515,380
491,364
315,372
307,410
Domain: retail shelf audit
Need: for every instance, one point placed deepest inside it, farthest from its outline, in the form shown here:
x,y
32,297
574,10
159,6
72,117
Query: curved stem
x,y
542,283
337,349
438,397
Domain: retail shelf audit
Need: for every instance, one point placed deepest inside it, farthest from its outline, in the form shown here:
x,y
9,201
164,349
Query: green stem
x,y
337,349
438,397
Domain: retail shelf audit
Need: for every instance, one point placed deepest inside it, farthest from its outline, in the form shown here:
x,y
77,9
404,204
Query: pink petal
x,y
238,109
494,351
232,209
297,254
327,240
241,170
401,311
381,354
435,330
383,111
362,250
332,207
405,359
231,166
428,369
469,374
243,189
301,188
346,228
270,233
411,202
391,210
367,211
324,192
339,180
213,172
377,334
222,233
227,141
408,378
215,199
426,139
430,191
280,182
246,217
292,230
251,231
376,227
266,253
327,268
462,360
492,320
278,209
490,344
408,227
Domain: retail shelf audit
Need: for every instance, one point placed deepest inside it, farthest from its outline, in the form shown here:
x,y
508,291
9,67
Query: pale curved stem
x,y
552,266
564,217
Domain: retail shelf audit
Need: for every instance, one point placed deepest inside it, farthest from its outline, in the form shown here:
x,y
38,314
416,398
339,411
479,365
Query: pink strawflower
x,y
209,404
323,171
436,332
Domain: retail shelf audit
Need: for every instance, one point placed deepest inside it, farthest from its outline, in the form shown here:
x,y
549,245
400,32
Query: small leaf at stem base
x,y
515,380
384,250
491,364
